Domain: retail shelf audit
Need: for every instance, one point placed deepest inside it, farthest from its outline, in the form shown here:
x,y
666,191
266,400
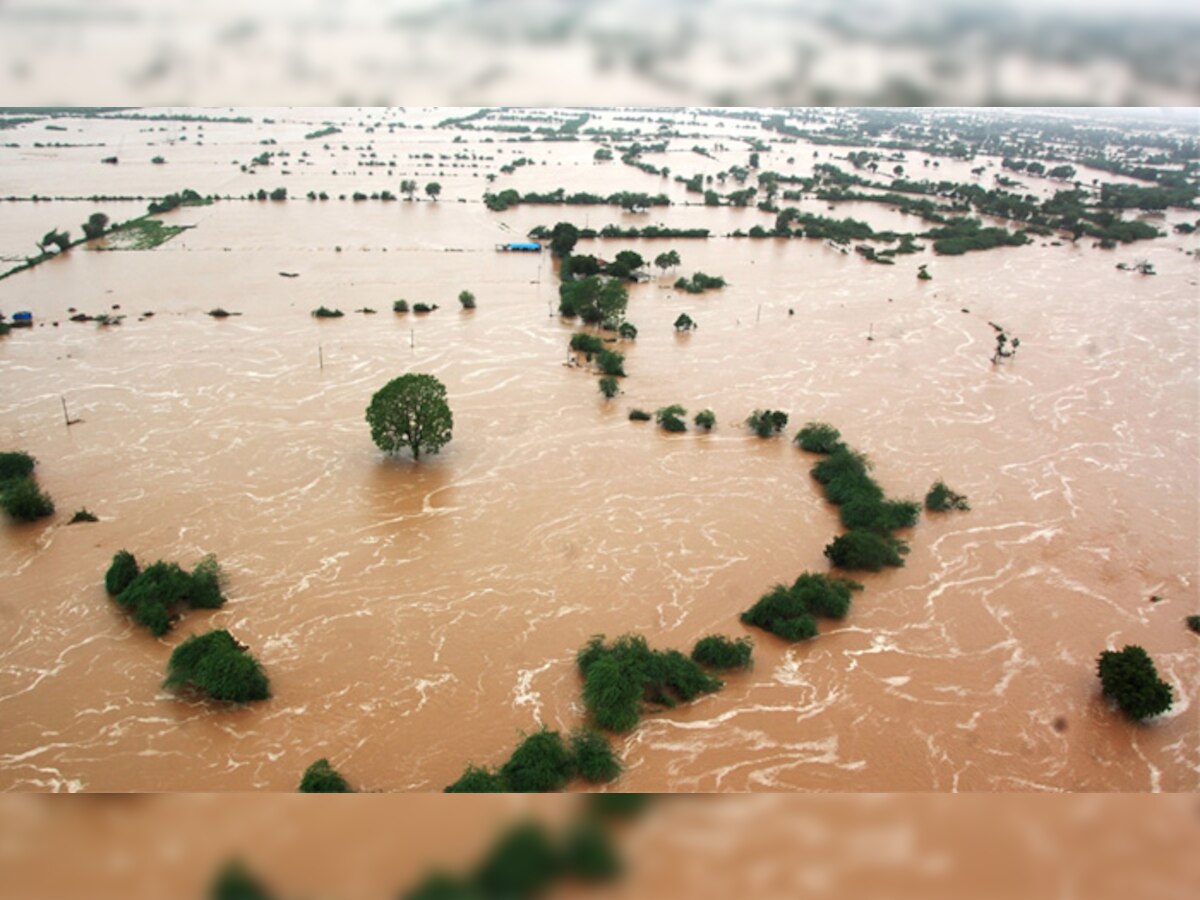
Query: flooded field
x,y
413,618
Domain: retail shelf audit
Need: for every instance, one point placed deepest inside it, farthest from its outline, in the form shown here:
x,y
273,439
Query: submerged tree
x,y
1129,678
668,260
410,412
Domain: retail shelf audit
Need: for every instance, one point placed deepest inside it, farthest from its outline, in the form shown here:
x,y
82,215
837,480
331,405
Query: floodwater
x,y
413,618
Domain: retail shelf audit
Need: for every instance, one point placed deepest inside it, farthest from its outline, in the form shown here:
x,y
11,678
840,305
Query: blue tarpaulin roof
x,y
23,317
524,245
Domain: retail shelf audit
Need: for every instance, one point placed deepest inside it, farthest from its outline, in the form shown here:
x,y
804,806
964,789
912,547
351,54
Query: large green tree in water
x,y
410,412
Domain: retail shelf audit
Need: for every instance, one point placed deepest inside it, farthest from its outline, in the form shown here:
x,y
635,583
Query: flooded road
x,y
414,618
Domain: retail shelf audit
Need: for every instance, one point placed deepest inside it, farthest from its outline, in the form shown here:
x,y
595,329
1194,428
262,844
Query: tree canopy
x,y
1129,678
410,412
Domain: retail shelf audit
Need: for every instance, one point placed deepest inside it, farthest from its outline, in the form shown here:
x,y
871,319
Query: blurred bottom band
x,y
760,846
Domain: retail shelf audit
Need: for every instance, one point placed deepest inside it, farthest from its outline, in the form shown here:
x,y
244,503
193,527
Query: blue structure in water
x,y
521,246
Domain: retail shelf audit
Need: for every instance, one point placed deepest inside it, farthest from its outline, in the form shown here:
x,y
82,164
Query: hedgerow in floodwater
x,y
323,312
1129,678
845,476
219,667
719,652
621,677
790,612
609,387
942,499
818,437
639,415
322,778
865,551
543,762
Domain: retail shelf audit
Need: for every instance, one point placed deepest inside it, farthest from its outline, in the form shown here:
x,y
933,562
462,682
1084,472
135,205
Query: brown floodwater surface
x,y
413,618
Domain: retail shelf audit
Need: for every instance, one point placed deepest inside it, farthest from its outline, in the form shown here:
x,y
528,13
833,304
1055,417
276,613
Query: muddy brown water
x,y
413,618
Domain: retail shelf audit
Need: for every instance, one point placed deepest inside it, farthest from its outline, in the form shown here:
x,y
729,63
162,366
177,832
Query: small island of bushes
x,y
156,596
218,667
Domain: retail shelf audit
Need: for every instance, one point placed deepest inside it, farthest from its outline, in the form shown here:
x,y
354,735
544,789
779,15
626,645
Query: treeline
x,y
630,200
542,232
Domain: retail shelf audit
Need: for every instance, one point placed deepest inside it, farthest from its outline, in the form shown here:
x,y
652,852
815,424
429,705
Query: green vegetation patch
x,y
219,667
818,437
622,677
155,596
322,778
544,762
24,501
141,234
1129,678
719,652
942,499
791,612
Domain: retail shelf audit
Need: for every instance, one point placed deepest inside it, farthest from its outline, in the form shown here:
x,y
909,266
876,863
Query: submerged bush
x,y
719,652
670,418
619,677
521,865
586,343
467,299
594,758
477,780
121,573
540,763
400,306
588,852
790,612
322,778
1129,678
705,419
609,387
871,513
818,437
219,667
767,422
205,590
156,595
639,415
24,501
941,499
865,550
322,312
611,362
83,514
16,464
